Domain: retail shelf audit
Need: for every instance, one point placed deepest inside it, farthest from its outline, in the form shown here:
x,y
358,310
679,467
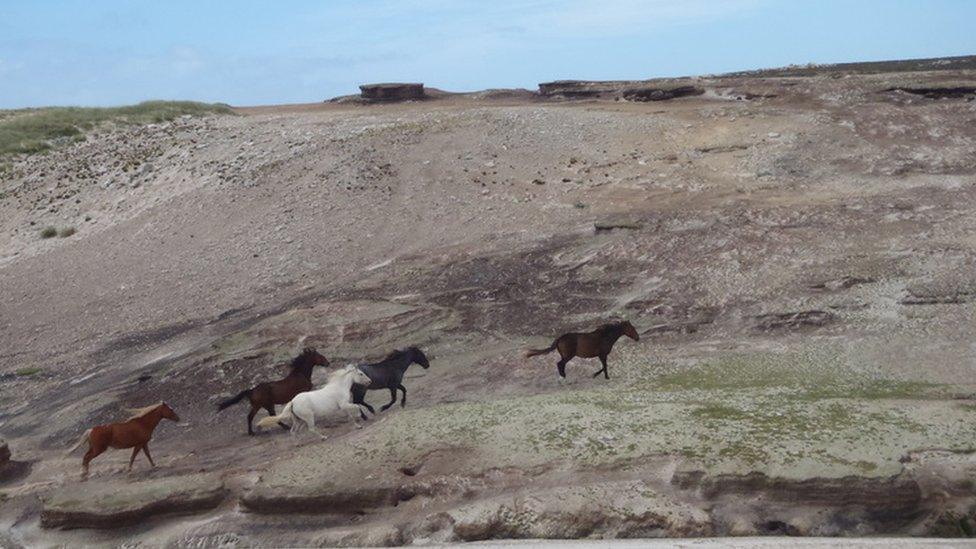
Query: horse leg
x,y
250,418
403,401
561,366
271,411
91,454
145,450
392,400
359,397
310,423
603,360
135,452
352,409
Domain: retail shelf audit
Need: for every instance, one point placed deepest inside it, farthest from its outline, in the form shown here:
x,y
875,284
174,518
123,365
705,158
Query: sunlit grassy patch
x,y
28,131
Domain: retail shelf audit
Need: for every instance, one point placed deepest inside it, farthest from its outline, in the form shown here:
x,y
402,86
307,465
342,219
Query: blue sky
x,y
102,52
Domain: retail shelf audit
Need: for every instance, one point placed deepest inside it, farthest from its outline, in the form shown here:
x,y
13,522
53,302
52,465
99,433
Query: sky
x,y
113,52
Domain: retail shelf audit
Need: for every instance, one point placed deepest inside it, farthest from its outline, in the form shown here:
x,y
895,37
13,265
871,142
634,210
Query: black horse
x,y
388,374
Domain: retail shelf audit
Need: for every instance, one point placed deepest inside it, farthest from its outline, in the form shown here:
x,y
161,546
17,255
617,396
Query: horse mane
x,y
135,413
397,353
338,372
615,325
296,362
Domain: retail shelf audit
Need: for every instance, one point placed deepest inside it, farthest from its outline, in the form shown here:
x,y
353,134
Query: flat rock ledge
x,y
118,503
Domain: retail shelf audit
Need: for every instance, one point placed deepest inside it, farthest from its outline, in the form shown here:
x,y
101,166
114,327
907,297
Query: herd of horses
x,y
344,391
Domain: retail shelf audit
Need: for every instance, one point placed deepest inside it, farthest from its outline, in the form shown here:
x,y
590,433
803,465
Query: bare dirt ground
x,y
797,252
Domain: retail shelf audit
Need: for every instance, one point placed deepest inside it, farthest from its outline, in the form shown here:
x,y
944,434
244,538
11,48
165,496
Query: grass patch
x,y
66,232
49,232
803,377
29,131
27,372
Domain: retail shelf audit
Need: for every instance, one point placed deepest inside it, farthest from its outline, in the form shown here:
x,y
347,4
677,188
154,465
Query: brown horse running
x,y
133,433
597,343
266,395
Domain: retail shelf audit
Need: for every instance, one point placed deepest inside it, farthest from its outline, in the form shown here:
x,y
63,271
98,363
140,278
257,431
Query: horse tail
x,y
234,400
78,444
270,421
547,350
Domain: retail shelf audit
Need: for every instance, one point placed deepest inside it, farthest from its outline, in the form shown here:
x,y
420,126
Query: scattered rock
x,y
612,224
842,283
800,319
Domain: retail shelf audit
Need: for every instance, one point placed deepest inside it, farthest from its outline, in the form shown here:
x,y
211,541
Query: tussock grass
x,y
28,131
49,232
66,232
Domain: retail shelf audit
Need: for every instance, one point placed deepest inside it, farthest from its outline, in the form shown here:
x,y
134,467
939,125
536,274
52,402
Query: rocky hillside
x,y
797,252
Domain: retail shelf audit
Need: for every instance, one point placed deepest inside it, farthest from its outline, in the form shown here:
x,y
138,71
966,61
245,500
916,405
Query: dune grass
x,y
28,131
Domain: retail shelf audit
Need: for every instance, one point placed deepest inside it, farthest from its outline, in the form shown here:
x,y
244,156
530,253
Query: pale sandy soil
x,y
800,267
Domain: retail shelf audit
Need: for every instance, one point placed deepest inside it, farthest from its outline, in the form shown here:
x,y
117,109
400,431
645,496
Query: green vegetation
x,y
66,232
28,131
27,372
49,232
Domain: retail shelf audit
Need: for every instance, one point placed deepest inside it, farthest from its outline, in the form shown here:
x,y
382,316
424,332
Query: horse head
x,y
629,330
168,412
358,376
313,356
419,357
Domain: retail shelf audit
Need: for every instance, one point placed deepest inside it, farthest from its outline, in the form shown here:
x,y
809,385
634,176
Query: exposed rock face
x,y
115,504
578,512
661,94
392,92
659,90
949,92
10,469
801,319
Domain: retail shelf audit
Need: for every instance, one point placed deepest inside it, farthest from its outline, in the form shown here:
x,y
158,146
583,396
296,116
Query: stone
x,y
117,503
390,92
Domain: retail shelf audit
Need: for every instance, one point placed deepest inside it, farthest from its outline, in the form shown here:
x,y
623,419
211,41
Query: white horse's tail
x,y
271,421
82,440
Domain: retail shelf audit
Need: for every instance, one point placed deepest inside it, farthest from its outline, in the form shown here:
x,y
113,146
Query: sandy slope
x,y
801,267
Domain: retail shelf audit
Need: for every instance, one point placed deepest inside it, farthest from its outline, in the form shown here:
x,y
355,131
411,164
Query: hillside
x,y
797,253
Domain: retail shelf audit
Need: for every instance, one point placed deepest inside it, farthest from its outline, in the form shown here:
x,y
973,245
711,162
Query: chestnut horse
x,y
266,395
597,343
133,433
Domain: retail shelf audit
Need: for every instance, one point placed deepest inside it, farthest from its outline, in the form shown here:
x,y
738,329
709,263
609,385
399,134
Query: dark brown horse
x,y
266,395
597,343
133,433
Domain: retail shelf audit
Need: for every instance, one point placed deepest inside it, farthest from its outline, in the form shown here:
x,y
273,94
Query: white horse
x,y
335,396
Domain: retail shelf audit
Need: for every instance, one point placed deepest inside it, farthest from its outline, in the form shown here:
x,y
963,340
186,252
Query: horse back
x,y
281,392
588,345
382,377
120,435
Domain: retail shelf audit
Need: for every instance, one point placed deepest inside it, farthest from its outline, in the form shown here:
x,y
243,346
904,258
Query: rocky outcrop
x,y
631,90
948,92
660,94
116,504
391,92
10,469
793,320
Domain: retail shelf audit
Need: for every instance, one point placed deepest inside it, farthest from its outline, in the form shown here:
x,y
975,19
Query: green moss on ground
x,y
28,131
